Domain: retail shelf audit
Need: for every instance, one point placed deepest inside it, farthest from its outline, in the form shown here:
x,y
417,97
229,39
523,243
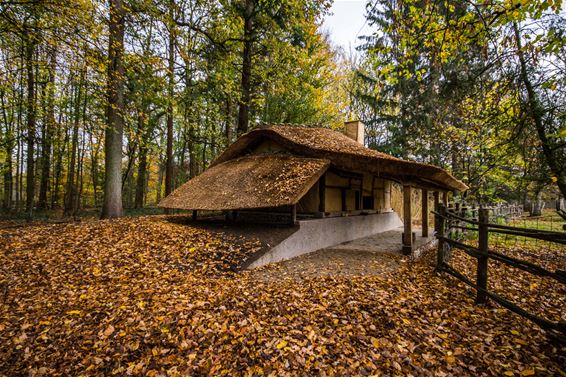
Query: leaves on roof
x,y
343,153
257,181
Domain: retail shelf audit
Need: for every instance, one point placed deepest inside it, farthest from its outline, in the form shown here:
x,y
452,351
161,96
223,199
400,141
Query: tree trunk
x,y
551,153
49,126
228,129
142,164
159,186
30,110
537,204
9,145
170,92
94,166
71,189
112,206
244,113
58,169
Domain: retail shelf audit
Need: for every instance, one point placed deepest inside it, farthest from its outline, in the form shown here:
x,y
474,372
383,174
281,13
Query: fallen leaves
x,y
148,296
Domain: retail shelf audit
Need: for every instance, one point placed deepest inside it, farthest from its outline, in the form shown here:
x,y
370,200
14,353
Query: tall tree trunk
x,y
58,168
49,126
112,206
71,188
551,153
30,111
159,186
244,113
9,145
537,204
228,129
19,169
142,163
170,92
79,182
94,166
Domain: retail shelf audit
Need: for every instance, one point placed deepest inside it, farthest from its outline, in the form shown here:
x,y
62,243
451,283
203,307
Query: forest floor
x,y
152,296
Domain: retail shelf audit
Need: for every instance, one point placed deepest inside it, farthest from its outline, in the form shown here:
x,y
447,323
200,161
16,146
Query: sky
x,y
346,22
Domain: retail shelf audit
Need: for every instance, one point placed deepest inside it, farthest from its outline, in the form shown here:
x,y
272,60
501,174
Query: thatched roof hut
x,y
313,172
249,175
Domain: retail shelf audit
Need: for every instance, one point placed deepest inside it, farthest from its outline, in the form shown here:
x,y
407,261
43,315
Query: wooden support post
x,y
483,240
436,208
445,198
343,197
407,221
230,216
322,194
194,215
424,225
440,227
293,219
457,222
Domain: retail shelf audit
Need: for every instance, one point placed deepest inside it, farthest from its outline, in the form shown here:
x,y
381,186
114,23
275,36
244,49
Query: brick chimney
x,y
355,130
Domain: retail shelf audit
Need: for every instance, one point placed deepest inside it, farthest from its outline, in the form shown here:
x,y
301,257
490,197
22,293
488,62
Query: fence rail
x,y
451,224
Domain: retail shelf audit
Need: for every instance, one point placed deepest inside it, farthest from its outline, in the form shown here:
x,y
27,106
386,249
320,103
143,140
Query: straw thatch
x,y
344,153
260,181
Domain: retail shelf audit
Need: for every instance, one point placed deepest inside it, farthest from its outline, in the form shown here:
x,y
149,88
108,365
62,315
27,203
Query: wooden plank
x,y
407,221
424,225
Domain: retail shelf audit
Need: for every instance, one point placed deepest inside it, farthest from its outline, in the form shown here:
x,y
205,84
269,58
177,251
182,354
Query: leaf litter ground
x,y
150,296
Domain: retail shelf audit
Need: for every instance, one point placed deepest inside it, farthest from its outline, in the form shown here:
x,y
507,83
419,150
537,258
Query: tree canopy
x,y
103,102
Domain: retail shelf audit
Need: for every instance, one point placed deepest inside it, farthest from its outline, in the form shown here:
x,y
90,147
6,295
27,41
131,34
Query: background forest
x,y
113,105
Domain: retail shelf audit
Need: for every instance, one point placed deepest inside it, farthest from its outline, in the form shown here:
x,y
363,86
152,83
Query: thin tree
x,y
31,115
170,89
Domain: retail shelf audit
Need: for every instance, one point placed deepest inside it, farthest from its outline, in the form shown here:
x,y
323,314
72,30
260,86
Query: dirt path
x,y
331,262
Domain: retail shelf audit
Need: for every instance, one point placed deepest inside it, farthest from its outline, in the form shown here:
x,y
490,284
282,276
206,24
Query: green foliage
x,y
444,86
293,71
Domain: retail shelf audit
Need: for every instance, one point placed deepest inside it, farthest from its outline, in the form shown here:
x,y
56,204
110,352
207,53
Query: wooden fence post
x,y
483,239
440,227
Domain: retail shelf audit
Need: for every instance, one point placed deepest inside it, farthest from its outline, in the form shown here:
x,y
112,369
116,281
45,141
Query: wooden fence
x,y
452,224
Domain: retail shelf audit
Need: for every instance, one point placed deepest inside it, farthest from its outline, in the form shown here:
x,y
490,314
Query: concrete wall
x,y
321,233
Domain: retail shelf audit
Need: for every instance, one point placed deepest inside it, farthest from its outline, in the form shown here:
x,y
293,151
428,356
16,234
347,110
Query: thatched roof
x,y
343,153
259,181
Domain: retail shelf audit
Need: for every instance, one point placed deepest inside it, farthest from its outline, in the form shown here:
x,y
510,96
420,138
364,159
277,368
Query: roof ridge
x,y
265,125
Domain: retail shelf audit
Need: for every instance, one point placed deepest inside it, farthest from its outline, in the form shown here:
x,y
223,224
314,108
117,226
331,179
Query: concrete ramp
x,y
315,234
